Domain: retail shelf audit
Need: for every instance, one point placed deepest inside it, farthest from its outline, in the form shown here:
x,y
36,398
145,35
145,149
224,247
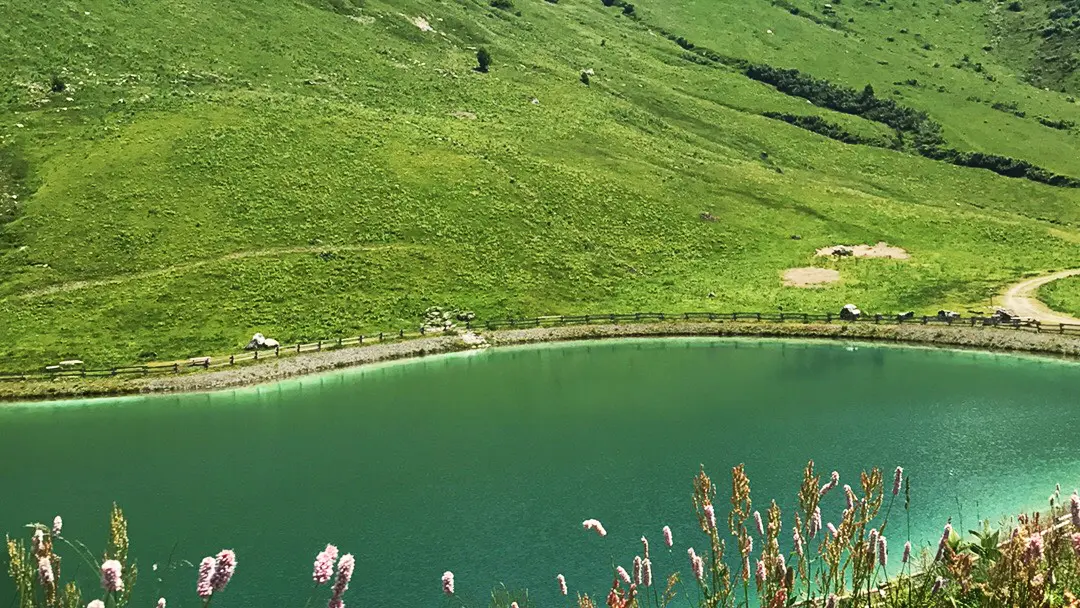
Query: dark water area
x,y
486,463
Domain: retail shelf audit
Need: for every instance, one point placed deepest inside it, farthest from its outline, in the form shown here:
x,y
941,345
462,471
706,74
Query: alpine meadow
x,y
175,176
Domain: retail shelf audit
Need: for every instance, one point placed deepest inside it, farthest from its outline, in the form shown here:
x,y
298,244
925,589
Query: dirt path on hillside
x,y
188,266
1022,298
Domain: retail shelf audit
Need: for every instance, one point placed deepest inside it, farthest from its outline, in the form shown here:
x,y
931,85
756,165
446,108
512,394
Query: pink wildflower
x,y
645,543
335,602
882,551
224,568
646,572
907,552
834,480
57,525
896,481
637,570
832,529
161,602
797,539
746,568
203,587
944,541
760,525
667,537
710,516
815,523
1075,538
760,572
514,605
96,604
1074,508
781,565
749,548
623,574
562,584
448,583
110,576
850,496
324,565
345,568
38,540
45,572
696,564
1034,550
939,584
594,524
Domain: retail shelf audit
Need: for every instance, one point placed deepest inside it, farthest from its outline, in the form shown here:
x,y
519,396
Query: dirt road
x,y
1022,299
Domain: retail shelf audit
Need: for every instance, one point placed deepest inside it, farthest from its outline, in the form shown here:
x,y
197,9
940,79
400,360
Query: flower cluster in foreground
x,y
840,561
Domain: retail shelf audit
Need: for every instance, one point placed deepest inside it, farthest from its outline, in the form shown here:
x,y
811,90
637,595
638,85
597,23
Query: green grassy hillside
x,y
185,174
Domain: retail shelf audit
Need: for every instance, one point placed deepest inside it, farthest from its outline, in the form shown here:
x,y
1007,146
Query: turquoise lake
x,y
486,463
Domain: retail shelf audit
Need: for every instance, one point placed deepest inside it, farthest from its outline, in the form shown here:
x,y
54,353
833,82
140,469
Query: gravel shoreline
x,y
272,370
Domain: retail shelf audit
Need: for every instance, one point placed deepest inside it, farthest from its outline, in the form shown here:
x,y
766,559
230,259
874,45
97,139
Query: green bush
x,y
483,59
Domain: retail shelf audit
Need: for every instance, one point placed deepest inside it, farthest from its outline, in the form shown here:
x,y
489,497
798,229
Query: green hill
x,y
176,176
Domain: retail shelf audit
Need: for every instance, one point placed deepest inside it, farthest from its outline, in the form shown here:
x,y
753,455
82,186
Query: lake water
x,y
487,463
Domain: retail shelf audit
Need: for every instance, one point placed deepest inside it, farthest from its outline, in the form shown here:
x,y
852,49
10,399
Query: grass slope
x,y
1063,295
310,170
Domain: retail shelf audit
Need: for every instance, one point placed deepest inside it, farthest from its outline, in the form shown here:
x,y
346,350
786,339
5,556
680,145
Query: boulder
x,y
904,316
947,315
271,343
256,342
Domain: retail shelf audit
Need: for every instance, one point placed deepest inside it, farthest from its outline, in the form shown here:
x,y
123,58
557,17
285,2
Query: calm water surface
x,y
486,464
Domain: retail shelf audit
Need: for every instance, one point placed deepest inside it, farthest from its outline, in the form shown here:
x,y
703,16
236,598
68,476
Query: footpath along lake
x,y
486,463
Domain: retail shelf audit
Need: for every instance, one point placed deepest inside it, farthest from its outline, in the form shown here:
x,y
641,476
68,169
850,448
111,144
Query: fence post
x,y
380,336
973,321
176,367
877,319
734,316
759,316
924,319
232,359
340,342
318,345
828,317
1038,327
1062,328
781,317
805,317
401,333
206,363
256,354
361,339
114,371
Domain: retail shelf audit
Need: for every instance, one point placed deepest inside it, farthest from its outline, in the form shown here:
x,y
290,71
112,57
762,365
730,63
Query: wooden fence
x,y
202,363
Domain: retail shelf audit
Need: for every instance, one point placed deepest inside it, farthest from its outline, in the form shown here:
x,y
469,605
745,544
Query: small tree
x,y
585,78
483,59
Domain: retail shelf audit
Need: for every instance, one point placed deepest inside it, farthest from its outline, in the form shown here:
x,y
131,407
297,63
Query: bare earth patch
x,y
423,24
810,277
464,115
881,250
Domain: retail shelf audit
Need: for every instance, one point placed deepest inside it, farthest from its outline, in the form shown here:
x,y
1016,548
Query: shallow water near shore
x,y
486,463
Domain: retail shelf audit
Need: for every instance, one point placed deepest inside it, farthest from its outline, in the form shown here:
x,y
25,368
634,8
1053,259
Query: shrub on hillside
x,y
483,59
505,5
